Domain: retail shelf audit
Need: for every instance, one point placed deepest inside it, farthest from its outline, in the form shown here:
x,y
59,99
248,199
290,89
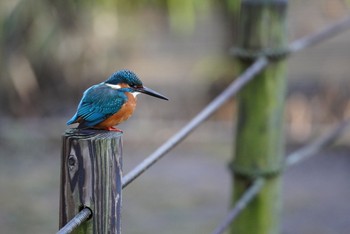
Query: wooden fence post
x,y
259,141
91,173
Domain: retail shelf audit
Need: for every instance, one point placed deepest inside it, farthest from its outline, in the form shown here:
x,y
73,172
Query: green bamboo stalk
x,y
259,144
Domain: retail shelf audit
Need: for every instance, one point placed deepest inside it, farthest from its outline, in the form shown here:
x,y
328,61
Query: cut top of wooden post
x,y
87,133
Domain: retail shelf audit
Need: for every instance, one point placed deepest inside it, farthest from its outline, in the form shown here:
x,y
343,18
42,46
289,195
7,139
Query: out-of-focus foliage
x,y
46,45
30,34
182,13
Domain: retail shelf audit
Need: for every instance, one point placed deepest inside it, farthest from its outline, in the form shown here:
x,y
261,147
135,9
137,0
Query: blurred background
x,y
51,51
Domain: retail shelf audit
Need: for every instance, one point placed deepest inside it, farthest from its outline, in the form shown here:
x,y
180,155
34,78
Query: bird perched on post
x,y
111,102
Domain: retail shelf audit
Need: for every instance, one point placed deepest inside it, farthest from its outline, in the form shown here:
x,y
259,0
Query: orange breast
x,y
123,114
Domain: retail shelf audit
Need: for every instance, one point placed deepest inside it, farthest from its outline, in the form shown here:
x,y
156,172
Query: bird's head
x,y
127,81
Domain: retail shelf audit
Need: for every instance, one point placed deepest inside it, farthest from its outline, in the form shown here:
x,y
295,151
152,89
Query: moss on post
x,y
259,142
91,173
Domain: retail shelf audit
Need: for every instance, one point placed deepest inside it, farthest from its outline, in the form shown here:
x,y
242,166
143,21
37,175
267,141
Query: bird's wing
x,y
98,103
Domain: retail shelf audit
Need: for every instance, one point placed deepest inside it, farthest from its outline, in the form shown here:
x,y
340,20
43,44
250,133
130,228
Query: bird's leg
x,y
114,129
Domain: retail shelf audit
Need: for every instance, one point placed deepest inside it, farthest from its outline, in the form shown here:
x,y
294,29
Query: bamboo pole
x,y
91,173
259,142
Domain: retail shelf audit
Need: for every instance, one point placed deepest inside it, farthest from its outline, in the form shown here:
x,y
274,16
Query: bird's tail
x,y
72,120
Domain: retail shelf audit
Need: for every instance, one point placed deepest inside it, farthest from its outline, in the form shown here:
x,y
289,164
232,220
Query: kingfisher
x,y
107,104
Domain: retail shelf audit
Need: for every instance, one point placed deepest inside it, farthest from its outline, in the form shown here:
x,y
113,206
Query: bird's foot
x,y
114,129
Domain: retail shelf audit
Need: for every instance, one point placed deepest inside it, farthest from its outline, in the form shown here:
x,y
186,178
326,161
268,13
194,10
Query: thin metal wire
x,y
227,94
319,143
246,198
292,159
324,34
81,217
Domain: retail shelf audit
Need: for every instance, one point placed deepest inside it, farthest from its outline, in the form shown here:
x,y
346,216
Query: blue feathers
x,y
97,104
103,100
124,76
73,119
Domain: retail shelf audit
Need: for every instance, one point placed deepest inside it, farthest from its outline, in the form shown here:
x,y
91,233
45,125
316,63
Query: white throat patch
x,y
135,94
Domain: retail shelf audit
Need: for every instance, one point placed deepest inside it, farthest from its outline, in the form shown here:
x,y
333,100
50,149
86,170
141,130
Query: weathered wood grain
x,y
91,173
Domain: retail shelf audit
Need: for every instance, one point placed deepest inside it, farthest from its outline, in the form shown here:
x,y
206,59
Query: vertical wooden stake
x,y
91,173
259,144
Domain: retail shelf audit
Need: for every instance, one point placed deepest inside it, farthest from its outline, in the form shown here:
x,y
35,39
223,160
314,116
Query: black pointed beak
x,y
151,92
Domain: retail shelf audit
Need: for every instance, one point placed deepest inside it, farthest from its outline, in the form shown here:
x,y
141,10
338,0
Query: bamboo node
x,y
254,173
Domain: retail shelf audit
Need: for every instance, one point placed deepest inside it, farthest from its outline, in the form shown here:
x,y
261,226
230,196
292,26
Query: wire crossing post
x,y
259,138
91,173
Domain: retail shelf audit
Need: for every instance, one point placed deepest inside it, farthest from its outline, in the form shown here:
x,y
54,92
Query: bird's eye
x,y
135,86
